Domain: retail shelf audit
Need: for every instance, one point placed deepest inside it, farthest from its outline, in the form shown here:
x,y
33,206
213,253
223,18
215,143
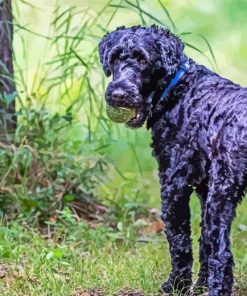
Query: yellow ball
x,y
119,114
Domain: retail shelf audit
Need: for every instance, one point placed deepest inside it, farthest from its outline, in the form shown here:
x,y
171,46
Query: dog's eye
x,y
139,57
143,61
114,60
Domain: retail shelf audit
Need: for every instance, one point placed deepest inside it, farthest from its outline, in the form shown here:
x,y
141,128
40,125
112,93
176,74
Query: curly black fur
x,y
199,141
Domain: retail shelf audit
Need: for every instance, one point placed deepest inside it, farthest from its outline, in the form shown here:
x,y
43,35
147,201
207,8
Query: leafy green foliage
x,y
41,172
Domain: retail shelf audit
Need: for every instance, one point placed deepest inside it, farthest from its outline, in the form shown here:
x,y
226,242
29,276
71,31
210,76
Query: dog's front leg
x,y
176,216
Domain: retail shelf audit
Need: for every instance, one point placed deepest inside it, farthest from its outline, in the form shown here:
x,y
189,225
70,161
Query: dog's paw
x,y
201,286
166,288
175,284
200,291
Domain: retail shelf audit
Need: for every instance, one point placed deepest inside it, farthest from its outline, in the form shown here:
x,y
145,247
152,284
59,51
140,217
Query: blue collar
x,y
183,68
156,109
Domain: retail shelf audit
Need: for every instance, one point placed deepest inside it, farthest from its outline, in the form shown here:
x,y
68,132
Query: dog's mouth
x,y
139,118
140,114
134,103
133,117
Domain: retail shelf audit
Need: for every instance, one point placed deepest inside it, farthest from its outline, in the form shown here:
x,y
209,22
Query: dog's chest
x,y
175,146
177,129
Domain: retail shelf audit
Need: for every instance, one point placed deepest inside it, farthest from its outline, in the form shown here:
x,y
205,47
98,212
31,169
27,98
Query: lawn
x,y
74,259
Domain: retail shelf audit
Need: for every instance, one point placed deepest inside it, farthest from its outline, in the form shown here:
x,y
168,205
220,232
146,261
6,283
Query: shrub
x,y
41,172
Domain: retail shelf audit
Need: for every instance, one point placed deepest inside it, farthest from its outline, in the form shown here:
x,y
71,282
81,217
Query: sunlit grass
x,y
74,259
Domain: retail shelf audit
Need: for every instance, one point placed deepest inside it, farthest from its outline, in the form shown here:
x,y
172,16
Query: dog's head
x,y
136,58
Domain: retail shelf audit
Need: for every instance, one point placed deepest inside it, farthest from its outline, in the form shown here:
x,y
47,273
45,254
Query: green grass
x,y
72,258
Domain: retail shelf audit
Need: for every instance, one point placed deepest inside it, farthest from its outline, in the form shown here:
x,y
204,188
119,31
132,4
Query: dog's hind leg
x,y
202,281
220,207
176,216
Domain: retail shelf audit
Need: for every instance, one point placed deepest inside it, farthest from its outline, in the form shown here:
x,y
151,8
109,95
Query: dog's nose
x,y
118,95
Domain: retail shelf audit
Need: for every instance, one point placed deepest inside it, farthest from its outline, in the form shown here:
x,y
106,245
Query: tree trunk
x,y
7,85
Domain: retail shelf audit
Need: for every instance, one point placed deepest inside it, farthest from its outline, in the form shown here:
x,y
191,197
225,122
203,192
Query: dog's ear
x,y
170,48
104,48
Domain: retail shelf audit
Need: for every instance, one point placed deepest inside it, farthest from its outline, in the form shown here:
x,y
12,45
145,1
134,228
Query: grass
x,y
69,259
111,268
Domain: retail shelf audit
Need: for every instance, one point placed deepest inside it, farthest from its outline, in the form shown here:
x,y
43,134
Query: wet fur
x,y
200,143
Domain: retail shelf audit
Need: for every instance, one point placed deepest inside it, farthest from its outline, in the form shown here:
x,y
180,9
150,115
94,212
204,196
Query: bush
x,y
42,172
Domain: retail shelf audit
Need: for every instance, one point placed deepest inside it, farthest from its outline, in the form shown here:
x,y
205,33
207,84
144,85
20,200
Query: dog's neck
x,y
168,91
184,68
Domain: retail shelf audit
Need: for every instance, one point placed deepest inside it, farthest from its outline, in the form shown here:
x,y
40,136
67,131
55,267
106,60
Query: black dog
x,y
199,129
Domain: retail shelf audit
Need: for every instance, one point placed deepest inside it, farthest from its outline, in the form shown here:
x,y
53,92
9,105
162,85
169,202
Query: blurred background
x,y
56,51
74,182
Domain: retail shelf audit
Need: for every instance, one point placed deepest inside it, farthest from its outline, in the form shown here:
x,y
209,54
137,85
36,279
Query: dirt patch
x,y
122,292
92,292
129,292
10,272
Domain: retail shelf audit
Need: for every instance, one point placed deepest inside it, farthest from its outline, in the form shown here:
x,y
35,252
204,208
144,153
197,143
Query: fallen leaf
x,y
53,219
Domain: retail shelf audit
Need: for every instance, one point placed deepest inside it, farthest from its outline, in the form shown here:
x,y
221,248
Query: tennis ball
x,y
120,114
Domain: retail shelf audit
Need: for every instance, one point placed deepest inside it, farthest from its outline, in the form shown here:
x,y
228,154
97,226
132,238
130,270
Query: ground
x,y
79,260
